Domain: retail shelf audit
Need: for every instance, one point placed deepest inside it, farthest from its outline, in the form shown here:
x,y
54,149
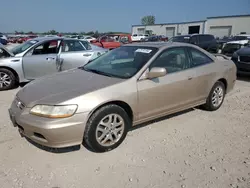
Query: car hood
x,y
63,86
7,50
244,51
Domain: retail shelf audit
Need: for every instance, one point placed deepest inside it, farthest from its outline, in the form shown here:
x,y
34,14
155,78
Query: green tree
x,y
148,20
52,32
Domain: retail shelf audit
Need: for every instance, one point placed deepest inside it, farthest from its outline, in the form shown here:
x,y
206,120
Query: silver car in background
x,y
43,56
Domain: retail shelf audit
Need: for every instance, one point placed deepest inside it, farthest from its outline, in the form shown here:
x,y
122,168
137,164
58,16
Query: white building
x,y
219,26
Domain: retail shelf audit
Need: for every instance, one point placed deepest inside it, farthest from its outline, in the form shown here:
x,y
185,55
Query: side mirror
x,y
156,72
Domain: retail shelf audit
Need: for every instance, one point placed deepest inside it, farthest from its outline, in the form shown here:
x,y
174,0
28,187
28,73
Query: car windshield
x,y
231,47
22,47
180,39
123,62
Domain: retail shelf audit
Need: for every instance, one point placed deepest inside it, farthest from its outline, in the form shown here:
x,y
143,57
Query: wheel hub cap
x,y
217,97
110,129
5,80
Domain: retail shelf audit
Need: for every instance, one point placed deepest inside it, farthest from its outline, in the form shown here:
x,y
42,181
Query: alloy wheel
x,y
110,130
217,96
5,80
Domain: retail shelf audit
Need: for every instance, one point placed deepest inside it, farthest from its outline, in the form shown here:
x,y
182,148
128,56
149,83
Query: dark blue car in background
x,y
3,41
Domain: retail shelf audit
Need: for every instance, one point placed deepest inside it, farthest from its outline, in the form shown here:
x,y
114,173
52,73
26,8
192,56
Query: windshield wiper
x,y
98,72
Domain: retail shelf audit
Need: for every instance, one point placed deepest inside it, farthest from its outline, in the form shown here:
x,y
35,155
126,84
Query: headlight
x,y
235,55
54,111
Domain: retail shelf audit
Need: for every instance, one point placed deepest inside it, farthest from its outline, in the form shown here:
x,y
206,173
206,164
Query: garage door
x,y
170,31
221,31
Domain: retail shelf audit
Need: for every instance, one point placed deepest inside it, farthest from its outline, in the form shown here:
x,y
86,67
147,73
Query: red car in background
x,y
25,38
112,41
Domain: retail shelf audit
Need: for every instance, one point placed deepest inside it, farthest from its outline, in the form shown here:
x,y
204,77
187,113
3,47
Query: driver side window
x,y
174,60
49,47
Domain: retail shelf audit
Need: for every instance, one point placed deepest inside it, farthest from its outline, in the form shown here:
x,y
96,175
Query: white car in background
x,y
239,41
87,38
3,37
139,37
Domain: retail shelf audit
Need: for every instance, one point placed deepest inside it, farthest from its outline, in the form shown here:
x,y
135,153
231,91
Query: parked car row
x,y
20,38
155,38
97,103
237,48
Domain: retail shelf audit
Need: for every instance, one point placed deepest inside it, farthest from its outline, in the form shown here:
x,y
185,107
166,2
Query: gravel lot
x,y
194,149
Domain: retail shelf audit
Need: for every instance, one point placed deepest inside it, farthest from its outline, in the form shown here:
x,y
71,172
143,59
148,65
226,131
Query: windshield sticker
x,y
143,50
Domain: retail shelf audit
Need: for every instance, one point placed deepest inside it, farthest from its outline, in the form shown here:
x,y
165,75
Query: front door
x,y
41,60
168,93
205,73
74,54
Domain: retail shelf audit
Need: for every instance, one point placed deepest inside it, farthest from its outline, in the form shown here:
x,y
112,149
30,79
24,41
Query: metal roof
x,y
173,23
232,16
190,22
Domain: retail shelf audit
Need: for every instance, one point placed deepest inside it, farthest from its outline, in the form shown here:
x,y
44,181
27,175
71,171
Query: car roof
x,y
41,39
189,35
243,35
159,44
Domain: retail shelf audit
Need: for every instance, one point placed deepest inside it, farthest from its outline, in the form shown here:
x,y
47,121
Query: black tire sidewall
x,y
12,77
96,117
209,104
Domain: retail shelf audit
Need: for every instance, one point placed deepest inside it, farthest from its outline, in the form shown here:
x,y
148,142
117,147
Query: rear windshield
x,y
180,39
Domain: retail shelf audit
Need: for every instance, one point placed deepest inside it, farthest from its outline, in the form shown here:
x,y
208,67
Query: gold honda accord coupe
x,y
99,102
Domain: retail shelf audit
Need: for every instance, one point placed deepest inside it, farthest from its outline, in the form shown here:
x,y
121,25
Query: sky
x,y
108,15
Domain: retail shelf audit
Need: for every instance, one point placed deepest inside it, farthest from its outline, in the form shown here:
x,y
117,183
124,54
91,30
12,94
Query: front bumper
x,y
55,133
242,67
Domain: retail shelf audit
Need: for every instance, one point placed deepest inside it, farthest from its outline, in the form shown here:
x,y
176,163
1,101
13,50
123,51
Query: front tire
x,y
107,128
7,79
216,97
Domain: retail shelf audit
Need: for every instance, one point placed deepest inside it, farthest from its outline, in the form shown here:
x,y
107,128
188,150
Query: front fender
x,y
15,65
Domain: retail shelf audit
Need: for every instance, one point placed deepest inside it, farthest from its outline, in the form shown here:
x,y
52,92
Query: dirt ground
x,y
194,149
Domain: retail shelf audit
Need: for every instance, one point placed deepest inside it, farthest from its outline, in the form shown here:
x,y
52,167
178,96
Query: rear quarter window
x,y
198,58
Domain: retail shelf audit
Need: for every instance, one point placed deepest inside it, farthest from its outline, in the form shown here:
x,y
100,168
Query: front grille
x,y
245,58
19,104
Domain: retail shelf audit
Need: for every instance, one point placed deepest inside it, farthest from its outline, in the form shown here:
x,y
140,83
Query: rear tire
x,y
216,97
106,128
8,79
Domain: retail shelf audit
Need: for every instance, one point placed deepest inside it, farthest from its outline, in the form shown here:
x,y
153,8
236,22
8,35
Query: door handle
x,y
86,55
50,58
190,78
15,60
